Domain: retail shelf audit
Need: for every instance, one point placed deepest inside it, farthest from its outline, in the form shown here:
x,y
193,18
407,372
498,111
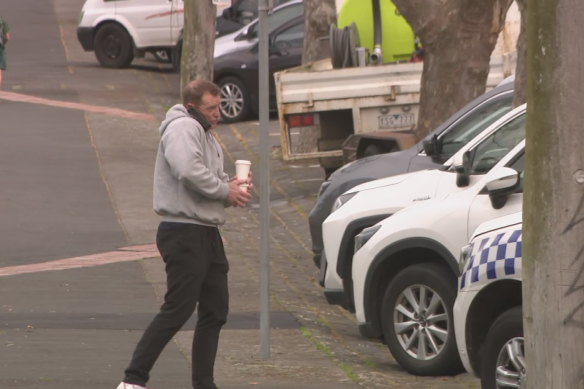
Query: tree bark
x,y
458,38
553,255
318,16
520,94
198,41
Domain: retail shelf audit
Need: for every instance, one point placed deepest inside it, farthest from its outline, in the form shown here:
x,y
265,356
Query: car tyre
x,y
417,311
113,46
503,356
235,101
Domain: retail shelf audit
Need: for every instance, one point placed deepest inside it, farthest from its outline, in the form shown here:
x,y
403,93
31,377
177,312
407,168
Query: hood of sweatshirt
x,y
176,112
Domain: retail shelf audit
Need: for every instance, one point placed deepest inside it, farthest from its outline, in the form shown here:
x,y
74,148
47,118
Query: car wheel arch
x,y
486,307
393,259
345,260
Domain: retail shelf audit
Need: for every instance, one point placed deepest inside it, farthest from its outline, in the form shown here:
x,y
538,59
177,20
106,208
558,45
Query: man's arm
x,y
183,150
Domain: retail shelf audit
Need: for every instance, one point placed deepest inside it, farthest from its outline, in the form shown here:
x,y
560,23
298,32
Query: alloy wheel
x,y
510,371
232,100
421,322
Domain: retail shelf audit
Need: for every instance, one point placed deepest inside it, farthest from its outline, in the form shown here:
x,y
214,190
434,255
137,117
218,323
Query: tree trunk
x,y
458,38
520,94
198,41
318,16
553,259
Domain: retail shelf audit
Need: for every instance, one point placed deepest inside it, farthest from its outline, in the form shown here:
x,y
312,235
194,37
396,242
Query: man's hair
x,y
194,91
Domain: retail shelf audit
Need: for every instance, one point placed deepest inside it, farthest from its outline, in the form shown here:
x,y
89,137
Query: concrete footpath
x,y
80,277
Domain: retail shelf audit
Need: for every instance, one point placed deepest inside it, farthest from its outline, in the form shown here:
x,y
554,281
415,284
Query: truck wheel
x,y
113,46
417,320
502,356
235,101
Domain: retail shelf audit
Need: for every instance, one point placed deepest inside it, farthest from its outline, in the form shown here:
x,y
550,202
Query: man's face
x,y
209,107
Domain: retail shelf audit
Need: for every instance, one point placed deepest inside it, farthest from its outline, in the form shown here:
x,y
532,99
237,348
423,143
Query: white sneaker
x,y
123,385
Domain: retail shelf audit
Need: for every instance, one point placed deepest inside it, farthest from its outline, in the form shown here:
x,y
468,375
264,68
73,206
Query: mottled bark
x,y
458,38
318,16
553,255
520,95
198,41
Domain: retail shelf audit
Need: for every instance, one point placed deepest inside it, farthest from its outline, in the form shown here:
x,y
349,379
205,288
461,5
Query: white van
x,y
118,30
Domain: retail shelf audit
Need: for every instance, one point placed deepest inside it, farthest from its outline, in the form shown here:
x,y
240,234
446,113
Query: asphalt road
x,y
79,276
54,203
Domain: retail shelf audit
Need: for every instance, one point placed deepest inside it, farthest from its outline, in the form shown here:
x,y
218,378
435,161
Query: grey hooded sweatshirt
x,y
190,185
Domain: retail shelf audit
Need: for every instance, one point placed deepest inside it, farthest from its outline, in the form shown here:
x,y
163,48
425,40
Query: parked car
x,y
247,36
236,72
405,268
487,312
119,30
369,203
430,153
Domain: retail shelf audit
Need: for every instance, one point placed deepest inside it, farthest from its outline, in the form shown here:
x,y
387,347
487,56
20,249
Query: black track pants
x,y
196,270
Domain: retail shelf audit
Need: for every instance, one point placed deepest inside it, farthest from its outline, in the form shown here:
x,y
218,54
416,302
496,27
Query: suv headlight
x,y
465,252
342,199
364,236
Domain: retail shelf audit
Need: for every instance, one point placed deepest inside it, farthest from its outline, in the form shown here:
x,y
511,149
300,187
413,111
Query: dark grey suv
x,y
429,153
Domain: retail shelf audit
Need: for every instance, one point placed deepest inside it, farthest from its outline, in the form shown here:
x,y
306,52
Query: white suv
x,y
369,203
405,268
487,313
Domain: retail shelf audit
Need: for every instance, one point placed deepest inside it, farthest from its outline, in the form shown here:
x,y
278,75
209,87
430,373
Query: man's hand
x,y
238,197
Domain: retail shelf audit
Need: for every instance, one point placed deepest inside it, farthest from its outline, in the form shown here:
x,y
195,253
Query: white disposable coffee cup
x,y
242,168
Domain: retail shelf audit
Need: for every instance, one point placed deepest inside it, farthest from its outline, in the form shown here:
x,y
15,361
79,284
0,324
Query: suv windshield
x,y
490,151
473,123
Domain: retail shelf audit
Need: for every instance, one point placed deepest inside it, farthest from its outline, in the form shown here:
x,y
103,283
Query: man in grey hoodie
x,y
191,191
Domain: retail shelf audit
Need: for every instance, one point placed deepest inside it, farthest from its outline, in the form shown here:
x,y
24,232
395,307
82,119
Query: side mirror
x,y
501,183
503,179
432,147
428,146
462,167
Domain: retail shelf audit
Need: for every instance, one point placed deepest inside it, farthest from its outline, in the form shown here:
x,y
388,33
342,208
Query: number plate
x,y
397,120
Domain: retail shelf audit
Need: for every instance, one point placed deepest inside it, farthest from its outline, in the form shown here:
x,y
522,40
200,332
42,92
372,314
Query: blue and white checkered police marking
x,y
494,257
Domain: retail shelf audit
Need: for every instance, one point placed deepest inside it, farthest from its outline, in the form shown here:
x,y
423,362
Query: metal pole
x,y
263,8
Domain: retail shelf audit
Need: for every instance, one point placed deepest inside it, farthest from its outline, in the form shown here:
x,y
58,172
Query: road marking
x,y
22,98
124,254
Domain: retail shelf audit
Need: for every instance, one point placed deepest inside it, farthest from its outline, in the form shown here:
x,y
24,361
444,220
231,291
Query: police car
x,y
487,311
